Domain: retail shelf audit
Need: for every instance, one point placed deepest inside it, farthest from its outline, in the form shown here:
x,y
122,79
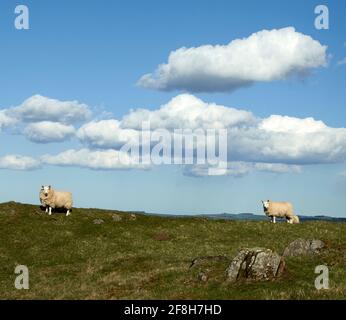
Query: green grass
x,y
149,258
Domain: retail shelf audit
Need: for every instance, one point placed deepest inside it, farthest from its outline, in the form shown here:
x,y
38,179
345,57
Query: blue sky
x,y
94,52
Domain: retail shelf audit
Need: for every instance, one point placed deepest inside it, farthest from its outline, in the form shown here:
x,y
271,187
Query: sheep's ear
x,y
50,187
268,200
42,187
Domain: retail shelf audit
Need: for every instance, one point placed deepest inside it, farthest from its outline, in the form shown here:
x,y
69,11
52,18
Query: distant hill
x,y
248,217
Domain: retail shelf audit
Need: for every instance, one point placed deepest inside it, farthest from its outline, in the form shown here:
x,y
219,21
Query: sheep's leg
x,y
50,211
274,219
68,212
46,209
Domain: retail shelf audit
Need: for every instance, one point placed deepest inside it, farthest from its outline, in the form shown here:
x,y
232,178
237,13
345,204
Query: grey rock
x,y
255,264
98,221
303,247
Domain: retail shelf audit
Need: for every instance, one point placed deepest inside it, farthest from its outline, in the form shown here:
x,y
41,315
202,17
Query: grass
x,y
149,257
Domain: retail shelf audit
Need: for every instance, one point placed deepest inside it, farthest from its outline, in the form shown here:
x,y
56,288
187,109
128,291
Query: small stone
x,y
133,216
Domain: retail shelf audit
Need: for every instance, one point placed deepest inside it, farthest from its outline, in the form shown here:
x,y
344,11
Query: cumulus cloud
x,y
188,111
267,55
275,139
6,120
281,139
182,112
44,119
106,134
40,108
47,131
276,143
277,123
18,162
94,159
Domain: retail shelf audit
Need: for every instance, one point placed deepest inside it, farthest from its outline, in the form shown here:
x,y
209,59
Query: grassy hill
x,y
148,257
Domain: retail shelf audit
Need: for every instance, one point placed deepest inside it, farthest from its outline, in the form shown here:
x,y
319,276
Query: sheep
x,y
295,219
280,210
56,199
42,196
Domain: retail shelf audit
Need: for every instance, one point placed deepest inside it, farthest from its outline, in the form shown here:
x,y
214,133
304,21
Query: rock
x,y
98,221
303,247
255,264
133,216
116,217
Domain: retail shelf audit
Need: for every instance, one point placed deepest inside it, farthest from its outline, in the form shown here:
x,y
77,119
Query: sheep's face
x,y
45,190
265,204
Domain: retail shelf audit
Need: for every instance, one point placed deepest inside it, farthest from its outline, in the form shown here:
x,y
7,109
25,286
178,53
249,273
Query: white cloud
x,y
47,131
267,55
277,168
187,111
50,120
18,162
240,169
182,112
289,140
235,169
40,108
94,159
276,139
277,143
106,134
277,123
6,120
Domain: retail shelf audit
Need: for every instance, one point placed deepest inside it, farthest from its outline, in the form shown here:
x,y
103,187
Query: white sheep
x,y
42,196
280,210
295,219
55,199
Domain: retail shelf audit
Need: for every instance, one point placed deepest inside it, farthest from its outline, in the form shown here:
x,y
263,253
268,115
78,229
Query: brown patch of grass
x,y
161,236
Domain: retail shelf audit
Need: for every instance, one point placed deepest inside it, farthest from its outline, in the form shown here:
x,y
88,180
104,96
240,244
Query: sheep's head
x,y
265,205
45,190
